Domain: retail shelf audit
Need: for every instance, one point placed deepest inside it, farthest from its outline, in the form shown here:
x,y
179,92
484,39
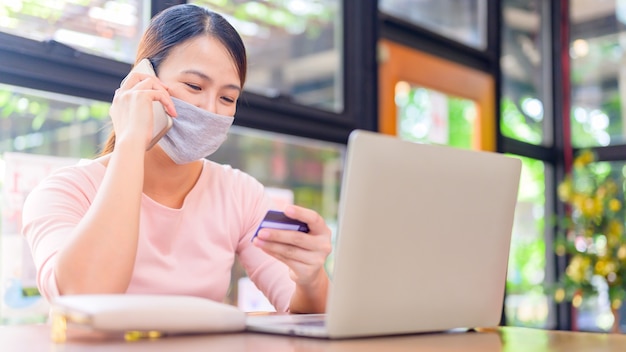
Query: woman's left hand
x,y
304,253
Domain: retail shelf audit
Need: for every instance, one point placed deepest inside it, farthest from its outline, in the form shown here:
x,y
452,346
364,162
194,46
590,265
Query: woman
x,y
167,220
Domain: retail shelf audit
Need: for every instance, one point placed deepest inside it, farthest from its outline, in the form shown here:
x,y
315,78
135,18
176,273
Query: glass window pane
x,y
45,123
309,168
526,302
428,116
462,20
294,170
526,85
598,72
294,48
106,28
39,131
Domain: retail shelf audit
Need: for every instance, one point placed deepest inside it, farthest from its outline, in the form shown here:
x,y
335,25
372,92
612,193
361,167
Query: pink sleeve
x,y
270,275
50,213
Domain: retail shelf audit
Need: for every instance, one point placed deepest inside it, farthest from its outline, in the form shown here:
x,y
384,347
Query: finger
x,y
147,83
133,78
159,92
314,221
293,243
166,100
288,237
139,79
289,254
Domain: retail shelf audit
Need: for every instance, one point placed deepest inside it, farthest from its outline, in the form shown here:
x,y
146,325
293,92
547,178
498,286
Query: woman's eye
x,y
228,100
193,86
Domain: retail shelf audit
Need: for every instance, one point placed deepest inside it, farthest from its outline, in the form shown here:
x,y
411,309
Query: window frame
x,y
56,67
488,60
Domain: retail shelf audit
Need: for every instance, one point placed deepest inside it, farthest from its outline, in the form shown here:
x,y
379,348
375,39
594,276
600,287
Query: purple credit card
x,y
278,220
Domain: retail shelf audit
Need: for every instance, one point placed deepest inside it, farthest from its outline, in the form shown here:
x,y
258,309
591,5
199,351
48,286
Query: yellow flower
x,y
559,295
584,158
613,238
591,208
615,205
611,186
577,268
621,252
578,201
577,301
616,303
614,229
605,266
565,189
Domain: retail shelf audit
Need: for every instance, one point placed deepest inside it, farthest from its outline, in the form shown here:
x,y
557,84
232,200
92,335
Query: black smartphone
x,y
278,220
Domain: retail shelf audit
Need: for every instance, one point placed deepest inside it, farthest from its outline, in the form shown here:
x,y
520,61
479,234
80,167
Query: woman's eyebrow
x,y
207,78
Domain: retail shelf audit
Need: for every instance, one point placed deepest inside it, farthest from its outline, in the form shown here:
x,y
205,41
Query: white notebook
x,y
163,314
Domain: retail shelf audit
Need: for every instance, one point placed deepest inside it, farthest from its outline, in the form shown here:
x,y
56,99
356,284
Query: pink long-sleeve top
x,y
187,251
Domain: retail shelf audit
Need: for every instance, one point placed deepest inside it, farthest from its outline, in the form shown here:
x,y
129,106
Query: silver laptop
x,y
422,242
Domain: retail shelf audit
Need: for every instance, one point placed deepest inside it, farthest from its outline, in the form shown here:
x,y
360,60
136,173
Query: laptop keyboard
x,y
311,323
308,320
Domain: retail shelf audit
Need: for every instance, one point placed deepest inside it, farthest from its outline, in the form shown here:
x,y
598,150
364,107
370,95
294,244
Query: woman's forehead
x,y
205,55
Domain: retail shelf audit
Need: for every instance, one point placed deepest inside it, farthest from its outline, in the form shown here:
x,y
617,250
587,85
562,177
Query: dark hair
x,y
178,24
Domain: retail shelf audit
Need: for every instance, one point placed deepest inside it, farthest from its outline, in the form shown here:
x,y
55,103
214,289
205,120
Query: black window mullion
x,y
268,114
360,65
56,67
562,141
157,6
411,35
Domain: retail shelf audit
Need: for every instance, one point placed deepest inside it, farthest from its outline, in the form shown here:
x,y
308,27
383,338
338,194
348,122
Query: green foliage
x,y
526,265
592,236
612,107
461,115
293,17
528,252
415,118
515,124
12,12
37,121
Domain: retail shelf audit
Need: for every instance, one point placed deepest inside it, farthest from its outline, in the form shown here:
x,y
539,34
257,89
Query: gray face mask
x,y
195,133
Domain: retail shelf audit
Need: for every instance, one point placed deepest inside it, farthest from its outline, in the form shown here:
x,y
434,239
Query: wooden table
x,y
507,339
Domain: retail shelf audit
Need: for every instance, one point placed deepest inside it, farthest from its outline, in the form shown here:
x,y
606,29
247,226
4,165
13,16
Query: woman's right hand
x,y
131,110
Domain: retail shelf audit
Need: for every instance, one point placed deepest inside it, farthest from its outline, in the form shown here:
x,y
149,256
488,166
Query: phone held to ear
x,y
278,220
162,122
